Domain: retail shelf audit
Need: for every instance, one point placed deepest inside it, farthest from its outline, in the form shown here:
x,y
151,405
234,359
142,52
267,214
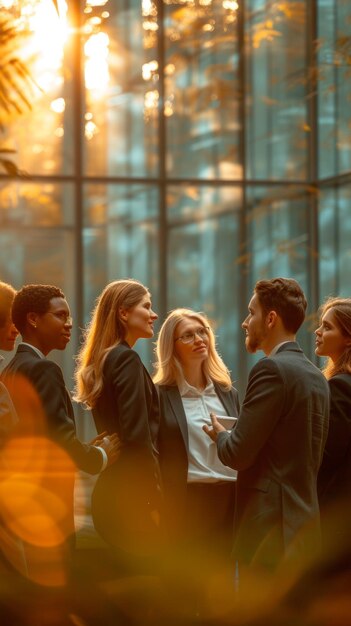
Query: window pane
x,y
36,204
122,110
278,239
201,90
37,255
335,241
120,240
203,268
42,136
334,31
275,89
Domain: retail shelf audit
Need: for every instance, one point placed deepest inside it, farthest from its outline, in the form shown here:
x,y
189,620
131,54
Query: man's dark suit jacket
x,y
47,380
334,478
127,492
174,448
45,413
277,447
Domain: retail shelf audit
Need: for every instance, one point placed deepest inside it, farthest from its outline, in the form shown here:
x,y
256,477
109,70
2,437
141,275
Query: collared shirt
x,y
203,462
42,356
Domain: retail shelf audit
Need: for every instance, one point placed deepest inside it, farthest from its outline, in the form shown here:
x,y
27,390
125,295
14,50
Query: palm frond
x,y
10,167
17,87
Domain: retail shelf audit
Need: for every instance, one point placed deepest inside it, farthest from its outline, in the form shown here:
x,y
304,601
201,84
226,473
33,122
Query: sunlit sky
x,y
51,31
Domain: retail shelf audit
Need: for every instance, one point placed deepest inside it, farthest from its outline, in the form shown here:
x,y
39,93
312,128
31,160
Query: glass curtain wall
x,y
196,145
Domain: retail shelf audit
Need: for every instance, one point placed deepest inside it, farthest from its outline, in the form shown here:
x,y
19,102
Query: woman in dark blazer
x,y
333,339
112,381
192,381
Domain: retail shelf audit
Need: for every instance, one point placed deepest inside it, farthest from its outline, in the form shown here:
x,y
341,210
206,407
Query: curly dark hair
x,y
286,298
33,299
7,294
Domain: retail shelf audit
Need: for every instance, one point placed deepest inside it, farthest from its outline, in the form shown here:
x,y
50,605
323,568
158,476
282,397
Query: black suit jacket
x,y
174,447
334,479
47,380
52,451
127,493
128,403
277,447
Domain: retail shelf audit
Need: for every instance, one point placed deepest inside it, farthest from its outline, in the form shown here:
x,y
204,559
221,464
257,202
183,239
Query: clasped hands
x,y
110,443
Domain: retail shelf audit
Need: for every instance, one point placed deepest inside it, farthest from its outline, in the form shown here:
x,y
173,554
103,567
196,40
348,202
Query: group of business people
x,y
178,459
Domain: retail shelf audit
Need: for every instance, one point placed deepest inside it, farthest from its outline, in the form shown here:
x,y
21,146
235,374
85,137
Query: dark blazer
x,y
47,379
277,447
174,447
334,478
45,413
127,492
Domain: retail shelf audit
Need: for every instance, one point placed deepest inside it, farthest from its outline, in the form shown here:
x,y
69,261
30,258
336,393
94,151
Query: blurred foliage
x,y
17,86
16,83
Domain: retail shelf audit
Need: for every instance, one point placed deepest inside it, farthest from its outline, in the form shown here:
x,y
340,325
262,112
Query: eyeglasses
x,y
202,332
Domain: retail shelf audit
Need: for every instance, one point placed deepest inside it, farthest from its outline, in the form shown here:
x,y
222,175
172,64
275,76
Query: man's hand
x,y
98,439
216,428
110,443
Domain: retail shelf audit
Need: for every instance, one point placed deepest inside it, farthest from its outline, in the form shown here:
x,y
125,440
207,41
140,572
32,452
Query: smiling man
x,y
278,441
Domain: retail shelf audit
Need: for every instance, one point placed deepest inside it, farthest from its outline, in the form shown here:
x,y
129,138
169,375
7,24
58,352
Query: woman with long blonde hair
x,y
112,381
193,381
333,340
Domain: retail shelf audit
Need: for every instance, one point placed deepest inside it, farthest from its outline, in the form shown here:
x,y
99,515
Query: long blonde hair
x,y
342,317
105,330
168,367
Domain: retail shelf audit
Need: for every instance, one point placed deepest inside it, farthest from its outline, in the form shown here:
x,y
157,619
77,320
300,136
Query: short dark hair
x,y
33,299
286,298
7,294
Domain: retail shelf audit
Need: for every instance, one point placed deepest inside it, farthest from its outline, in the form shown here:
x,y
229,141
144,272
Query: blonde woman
x,y
193,381
333,339
112,381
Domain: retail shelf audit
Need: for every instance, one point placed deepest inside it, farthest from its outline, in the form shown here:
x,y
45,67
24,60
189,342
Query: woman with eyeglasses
x,y
112,381
199,490
333,340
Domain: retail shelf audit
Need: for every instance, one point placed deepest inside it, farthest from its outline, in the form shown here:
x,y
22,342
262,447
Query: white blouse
x,y
204,465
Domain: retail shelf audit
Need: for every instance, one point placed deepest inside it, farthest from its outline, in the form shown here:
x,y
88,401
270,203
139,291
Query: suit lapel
x,y
227,400
176,403
24,348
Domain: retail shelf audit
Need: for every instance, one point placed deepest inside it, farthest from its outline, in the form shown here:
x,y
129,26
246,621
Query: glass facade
x,y
194,145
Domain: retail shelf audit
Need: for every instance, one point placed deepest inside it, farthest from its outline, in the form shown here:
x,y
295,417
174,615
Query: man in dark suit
x,y
277,444
42,316
51,452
